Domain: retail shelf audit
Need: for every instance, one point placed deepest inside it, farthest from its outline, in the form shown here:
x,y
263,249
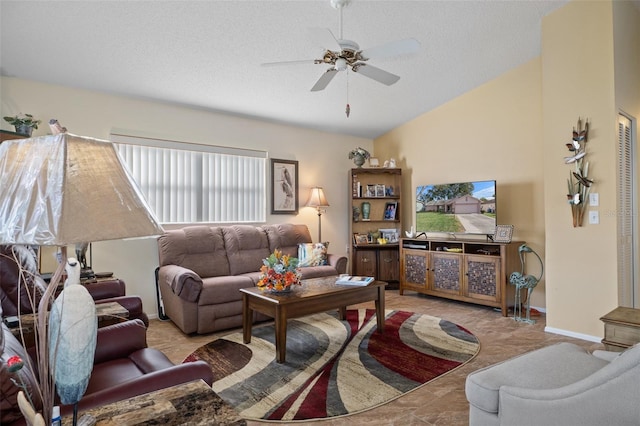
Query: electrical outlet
x,y
594,217
594,199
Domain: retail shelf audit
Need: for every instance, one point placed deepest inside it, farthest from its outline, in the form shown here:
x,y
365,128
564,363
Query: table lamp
x,y
64,189
319,201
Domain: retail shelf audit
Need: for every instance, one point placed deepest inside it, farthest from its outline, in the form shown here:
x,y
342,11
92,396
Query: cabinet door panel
x,y
388,265
366,263
446,270
482,274
415,268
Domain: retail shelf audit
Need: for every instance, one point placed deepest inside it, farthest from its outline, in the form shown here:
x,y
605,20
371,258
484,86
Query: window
x,y
186,183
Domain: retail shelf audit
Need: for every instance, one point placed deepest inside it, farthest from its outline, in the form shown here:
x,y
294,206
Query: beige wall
x,y
514,129
578,81
323,159
492,132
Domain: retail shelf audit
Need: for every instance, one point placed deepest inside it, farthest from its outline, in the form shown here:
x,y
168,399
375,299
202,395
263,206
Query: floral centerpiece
x,y
359,155
279,272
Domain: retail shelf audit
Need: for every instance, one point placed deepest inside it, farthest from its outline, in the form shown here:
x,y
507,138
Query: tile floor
x,y
441,402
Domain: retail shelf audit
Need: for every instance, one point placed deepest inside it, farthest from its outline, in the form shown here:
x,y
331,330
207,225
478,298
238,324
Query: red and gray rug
x,y
334,368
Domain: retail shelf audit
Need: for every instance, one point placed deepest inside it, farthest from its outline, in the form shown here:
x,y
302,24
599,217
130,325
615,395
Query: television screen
x,y
465,207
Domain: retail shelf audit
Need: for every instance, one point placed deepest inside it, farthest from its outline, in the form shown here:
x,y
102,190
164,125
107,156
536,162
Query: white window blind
x,y
628,292
187,183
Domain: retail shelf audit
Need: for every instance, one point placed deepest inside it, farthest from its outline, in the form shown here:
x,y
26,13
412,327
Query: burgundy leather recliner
x,y
13,295
124,367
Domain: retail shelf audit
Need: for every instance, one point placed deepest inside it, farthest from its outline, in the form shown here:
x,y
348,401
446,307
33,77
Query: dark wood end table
x,y
314,296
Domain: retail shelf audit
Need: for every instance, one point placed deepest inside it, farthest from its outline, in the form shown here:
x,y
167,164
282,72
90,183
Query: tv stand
x,y
471,271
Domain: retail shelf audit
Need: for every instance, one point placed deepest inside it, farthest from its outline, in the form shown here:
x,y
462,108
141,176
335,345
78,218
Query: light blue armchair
x,y
562,384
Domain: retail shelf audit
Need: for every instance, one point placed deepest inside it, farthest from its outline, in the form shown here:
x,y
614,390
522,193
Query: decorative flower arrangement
x,y
279,272
579,185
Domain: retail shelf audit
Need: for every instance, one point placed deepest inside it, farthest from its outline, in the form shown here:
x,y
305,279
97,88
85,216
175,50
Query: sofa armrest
x,y
105,289
339,262
182,373
183,282
119,340
607,396
133,304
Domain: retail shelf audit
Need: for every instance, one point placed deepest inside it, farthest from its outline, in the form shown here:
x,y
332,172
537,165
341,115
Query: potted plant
x,y
24,123
359,155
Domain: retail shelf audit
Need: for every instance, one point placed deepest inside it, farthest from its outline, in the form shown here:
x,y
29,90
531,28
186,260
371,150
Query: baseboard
x,y
580,336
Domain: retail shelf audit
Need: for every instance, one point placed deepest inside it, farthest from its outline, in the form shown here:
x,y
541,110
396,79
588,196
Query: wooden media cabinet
x,y
465,270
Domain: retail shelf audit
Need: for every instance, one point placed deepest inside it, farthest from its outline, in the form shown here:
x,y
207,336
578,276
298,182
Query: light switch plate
x,y
594,199
594,217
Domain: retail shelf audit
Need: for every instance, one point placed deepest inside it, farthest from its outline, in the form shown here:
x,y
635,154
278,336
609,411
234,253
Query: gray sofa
x,y
203,268
562,385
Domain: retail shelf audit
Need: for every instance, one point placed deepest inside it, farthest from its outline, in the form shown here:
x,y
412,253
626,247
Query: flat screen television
x,y
457,208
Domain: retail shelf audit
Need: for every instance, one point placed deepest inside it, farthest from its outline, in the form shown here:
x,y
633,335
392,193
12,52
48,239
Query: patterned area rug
x,y
334,368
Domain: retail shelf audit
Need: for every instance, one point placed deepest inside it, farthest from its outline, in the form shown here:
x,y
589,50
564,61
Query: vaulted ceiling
x,y
208,54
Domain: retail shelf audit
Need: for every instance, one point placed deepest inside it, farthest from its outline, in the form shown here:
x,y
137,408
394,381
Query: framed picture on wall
x,y
284,186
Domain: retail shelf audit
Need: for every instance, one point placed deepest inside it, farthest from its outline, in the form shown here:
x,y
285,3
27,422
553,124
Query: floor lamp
x,y
319,201
60,190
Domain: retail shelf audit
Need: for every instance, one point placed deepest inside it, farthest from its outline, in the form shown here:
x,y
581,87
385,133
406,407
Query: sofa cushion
x,y
217,290
570,364
199,248
312,254
286,237
246,247
24,271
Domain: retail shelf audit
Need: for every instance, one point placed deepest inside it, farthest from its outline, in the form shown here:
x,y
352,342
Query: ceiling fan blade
x,y
324,80
303,61
375,73
325,38
400,47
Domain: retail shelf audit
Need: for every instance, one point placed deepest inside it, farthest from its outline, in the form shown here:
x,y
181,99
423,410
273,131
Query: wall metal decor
x,y
579,184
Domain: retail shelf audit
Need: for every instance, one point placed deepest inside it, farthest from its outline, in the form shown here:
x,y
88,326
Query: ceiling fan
x,y
345,55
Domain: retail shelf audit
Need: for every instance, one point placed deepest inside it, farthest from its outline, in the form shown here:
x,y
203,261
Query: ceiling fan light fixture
x,y
341,64
339,4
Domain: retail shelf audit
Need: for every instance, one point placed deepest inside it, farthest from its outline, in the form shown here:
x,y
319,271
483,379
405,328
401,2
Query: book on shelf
x,y
354,280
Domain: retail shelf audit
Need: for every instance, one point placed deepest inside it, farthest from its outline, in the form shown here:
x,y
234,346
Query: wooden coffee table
x,y
314,296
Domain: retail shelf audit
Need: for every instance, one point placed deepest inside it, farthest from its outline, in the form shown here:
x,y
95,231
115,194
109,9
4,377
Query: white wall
x,y
323,159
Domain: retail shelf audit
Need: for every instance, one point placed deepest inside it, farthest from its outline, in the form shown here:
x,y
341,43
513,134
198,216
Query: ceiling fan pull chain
x,y
348,108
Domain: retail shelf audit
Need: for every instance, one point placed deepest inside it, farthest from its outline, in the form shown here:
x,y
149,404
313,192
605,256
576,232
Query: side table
x,y
107,313
621,328
193,403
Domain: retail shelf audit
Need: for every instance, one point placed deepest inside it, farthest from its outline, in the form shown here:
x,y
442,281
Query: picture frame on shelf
x,y
503,233
360,239
380,190
389,234
371,190
374,162
284,186
390,210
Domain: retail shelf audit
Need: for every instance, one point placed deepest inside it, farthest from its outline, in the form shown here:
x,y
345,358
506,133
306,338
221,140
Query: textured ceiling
x,y
207,54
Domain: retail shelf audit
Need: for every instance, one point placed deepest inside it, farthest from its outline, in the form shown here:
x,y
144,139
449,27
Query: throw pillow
x,y
312,254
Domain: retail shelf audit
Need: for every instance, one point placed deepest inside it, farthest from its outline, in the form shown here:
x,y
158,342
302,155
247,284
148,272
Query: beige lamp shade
x,y
65,189
317,198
